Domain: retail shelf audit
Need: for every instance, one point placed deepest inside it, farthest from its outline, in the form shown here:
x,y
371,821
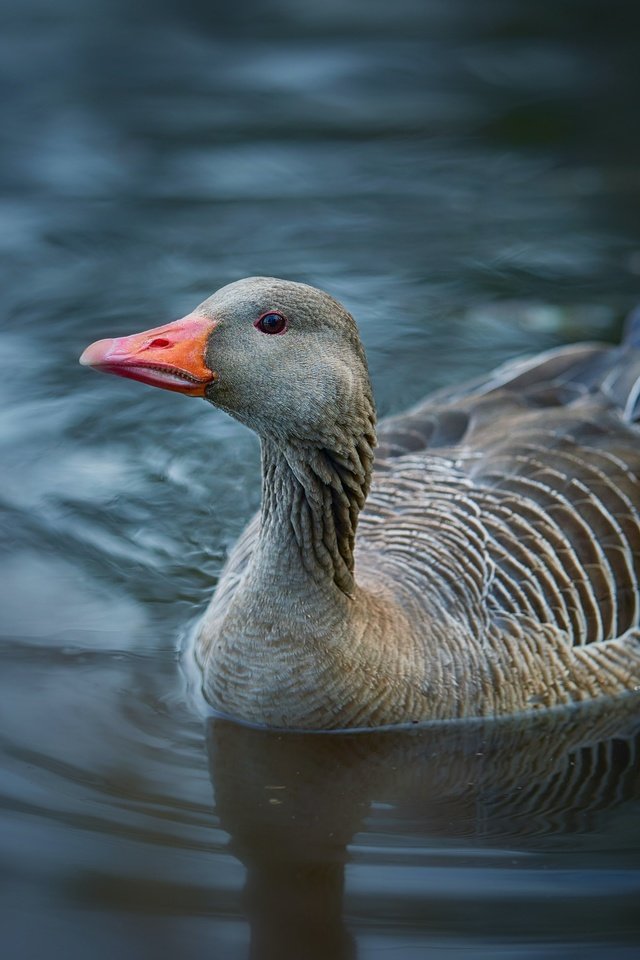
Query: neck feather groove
x,y
311,498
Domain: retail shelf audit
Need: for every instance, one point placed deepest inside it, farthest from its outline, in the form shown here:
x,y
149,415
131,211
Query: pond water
x,y
465,178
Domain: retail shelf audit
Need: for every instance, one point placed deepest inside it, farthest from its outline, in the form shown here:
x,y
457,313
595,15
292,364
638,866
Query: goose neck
x,y
311,498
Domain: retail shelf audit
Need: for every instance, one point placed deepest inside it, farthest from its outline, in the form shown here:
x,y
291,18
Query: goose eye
x,y
271,323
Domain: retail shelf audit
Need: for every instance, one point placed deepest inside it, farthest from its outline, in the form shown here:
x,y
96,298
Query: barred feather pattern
x,y
522,516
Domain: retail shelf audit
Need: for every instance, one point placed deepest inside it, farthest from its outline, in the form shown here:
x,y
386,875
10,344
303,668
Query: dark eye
x,y
271,323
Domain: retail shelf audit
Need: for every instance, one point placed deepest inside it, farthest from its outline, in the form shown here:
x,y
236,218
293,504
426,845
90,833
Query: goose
x,y
485,562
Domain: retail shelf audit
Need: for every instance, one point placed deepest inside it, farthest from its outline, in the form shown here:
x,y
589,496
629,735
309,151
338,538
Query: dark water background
x,y
465,177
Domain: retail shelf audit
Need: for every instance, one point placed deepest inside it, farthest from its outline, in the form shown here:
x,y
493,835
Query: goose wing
x,y
546,453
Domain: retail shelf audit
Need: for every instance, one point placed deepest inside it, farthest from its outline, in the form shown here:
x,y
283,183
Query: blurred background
x,y
465,177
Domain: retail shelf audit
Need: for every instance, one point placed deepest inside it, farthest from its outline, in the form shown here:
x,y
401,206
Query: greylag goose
x,y
496,564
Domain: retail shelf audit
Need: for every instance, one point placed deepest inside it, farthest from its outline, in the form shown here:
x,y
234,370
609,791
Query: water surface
x,y
465,178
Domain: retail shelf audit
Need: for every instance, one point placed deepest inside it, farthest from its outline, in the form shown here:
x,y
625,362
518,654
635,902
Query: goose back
x,y
529,492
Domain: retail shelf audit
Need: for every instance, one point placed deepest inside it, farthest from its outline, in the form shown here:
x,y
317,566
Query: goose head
x,y
281,357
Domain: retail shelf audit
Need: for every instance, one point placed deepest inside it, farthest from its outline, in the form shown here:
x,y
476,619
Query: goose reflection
x,y
292,804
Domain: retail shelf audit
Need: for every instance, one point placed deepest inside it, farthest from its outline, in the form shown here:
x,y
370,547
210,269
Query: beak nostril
x,y
159,342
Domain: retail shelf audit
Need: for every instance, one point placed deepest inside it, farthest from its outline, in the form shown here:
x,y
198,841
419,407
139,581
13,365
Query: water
x,y
465,177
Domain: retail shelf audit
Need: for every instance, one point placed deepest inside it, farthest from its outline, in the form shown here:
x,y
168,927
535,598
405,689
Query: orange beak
x,y
171,357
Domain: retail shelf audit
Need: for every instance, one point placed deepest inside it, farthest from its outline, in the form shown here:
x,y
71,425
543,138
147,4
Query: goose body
x,y
496,563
